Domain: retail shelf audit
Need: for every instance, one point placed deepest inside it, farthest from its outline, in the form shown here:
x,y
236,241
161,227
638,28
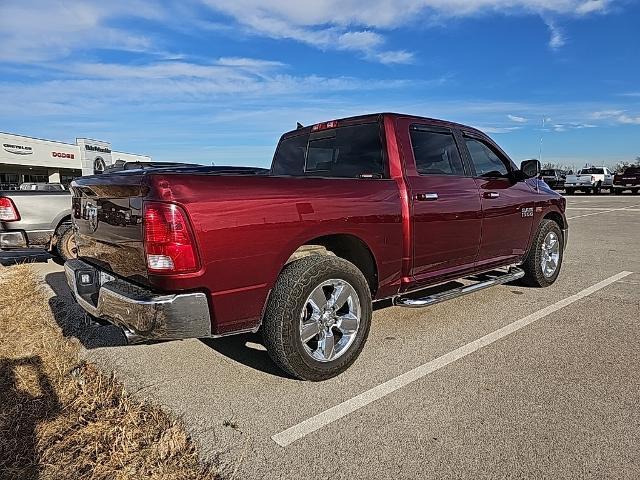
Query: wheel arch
x,y
343,245
556,217
61,219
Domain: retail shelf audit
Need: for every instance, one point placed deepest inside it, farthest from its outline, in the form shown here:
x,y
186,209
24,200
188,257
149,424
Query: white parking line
x,y
302,429
597,209
604,211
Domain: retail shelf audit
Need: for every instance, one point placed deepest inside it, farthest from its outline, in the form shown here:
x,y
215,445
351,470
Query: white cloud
x,y
563,127
497,130
618,116
41,30
606,114
394,56
389,14
364,40
632,120
592,6
557,39
155,84
36,30
517,119
352,24
249,63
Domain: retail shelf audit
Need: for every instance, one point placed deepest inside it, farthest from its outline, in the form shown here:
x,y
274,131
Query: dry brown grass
x,y
61,419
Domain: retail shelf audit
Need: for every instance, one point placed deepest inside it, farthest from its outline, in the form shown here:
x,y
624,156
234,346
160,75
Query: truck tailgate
x,y
627,180
107,213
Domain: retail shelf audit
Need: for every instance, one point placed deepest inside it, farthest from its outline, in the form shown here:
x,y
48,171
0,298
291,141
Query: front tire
x,y
318,317
543,262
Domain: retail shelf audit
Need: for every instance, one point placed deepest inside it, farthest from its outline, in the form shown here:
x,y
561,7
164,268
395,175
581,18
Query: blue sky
x,y
219,81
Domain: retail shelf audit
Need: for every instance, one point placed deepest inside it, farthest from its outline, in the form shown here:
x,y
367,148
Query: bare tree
x,y
620,167
556,166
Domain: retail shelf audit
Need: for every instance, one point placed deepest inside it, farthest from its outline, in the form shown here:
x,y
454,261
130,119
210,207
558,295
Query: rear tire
x,y
296,301
65,245
539,259
569,191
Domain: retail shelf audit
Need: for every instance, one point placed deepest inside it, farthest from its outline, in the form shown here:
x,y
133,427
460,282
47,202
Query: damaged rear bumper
x,y
141,313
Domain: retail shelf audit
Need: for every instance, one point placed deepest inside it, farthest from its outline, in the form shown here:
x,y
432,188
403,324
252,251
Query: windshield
x,y
592,171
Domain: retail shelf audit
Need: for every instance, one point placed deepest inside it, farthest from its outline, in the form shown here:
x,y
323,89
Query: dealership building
x,y
27,159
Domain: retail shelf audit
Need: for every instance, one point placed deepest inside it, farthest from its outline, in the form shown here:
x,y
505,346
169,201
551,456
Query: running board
x,y
514,273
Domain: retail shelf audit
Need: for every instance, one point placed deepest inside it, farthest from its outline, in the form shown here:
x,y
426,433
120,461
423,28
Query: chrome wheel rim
x,y
550,254
330,320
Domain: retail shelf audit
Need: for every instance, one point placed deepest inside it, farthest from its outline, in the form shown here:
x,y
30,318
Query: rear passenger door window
x,y
435,151
485,161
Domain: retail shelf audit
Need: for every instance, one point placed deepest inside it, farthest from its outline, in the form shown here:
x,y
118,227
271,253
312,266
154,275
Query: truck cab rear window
x,y
592,171
345,152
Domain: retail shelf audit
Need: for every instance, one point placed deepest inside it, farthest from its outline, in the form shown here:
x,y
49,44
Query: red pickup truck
x,y
351,211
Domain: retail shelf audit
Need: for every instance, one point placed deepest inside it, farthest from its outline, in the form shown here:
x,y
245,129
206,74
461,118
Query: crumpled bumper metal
x,y
140,312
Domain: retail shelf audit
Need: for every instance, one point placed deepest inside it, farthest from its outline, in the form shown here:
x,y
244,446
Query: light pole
x,y
544,118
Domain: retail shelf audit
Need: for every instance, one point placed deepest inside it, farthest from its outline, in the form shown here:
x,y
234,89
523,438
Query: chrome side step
x,y
514,273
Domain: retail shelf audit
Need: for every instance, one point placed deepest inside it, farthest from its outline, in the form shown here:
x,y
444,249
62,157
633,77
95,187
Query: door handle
x,y
491,195
426,197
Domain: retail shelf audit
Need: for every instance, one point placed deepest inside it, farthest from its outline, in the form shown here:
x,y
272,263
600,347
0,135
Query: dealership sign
x,y
17,149
62,155
95,148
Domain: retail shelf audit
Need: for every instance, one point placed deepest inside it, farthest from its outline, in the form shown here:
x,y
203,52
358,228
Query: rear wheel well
x,y
345,246
64,222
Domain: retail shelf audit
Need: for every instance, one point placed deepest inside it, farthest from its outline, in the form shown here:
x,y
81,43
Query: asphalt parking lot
x,y
508,382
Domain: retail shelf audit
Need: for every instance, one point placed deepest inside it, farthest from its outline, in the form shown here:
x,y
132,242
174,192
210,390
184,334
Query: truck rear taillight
x,y
8,211
168,239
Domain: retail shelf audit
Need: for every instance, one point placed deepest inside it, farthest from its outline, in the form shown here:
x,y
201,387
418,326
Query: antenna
x,y
544,118
299,125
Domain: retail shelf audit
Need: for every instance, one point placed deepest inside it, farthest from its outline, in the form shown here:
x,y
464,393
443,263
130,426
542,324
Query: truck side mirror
x,y
530,168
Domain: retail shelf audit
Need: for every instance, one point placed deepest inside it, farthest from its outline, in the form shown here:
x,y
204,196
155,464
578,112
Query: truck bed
x,y
40,213
277,214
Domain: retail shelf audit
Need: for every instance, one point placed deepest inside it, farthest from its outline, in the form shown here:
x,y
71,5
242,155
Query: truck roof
x,y
377,116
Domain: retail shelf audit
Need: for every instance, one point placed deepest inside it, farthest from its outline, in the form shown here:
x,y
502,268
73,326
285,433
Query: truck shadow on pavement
x,y
246,349
74,322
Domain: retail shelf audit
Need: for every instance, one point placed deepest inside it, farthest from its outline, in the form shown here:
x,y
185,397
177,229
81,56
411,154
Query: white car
x,y
589,180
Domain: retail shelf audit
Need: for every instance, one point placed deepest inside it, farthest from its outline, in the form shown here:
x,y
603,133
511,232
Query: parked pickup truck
x,y
353,210
36,219
554,178
629,179
589,180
